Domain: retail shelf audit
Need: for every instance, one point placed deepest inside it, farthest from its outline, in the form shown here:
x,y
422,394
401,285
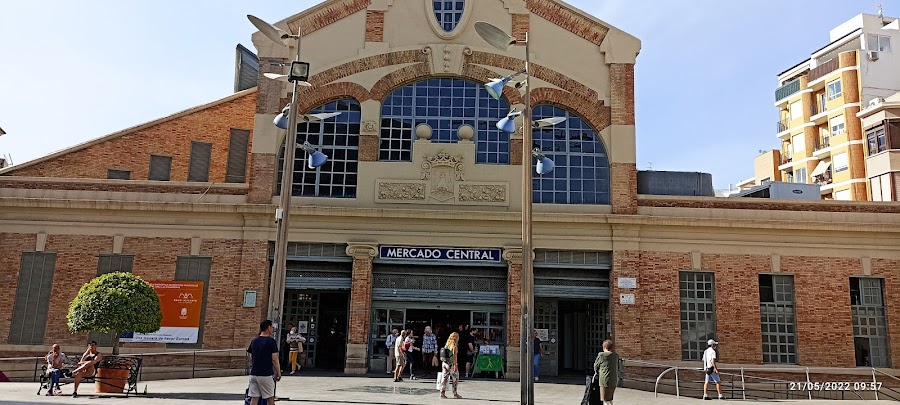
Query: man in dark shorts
x,y
265,368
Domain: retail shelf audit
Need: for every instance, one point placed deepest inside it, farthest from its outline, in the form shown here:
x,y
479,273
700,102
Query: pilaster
x,y
360,306
513,257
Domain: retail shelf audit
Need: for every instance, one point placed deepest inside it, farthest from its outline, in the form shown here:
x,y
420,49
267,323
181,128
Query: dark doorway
x,y
573,317
333,315
442,322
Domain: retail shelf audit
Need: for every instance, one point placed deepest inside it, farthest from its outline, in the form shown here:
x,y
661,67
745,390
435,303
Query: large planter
x,y
111,379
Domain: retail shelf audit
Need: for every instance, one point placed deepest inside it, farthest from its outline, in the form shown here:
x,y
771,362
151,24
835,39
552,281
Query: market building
x,y
409,224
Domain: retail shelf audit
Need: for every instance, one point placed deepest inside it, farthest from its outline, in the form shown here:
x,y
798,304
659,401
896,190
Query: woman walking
x,y
607,369
449,366
295,340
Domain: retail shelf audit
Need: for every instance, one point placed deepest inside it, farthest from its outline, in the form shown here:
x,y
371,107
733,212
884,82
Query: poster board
x,y
182,304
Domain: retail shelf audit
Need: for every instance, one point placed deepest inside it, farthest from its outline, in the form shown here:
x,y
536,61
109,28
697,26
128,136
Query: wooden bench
x,y
130,383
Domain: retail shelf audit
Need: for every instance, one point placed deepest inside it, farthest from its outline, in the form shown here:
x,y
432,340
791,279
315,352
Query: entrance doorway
x,y
314,313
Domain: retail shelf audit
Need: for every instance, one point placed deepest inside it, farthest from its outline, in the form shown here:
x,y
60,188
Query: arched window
x,y
448,13
581,175
444,104
336,137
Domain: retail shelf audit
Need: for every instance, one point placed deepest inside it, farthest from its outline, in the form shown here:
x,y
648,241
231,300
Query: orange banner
x,y
181,301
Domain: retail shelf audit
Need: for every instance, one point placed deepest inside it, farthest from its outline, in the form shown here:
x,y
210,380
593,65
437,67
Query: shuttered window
x,y
237,156
118,174
29,320
160,168
194,268
110,263
199,169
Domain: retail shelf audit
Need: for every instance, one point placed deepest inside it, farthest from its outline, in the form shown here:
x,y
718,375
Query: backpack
x,y
446,354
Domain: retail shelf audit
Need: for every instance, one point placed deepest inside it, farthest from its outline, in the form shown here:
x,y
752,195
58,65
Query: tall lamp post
x,y
499,39
287,120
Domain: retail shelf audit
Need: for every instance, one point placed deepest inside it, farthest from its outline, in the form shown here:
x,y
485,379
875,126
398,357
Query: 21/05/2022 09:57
x,y
834,386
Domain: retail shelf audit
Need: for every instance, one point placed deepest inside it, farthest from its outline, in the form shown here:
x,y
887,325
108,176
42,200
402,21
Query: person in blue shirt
x,y
265,368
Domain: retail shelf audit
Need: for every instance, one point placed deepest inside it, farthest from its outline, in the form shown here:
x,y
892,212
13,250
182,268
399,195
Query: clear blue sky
x,y
705,79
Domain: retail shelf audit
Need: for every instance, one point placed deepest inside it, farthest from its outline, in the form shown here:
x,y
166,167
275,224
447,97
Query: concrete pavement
x,y
373,390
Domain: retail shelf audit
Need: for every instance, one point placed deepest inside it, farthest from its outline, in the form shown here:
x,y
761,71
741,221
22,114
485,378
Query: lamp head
x,y
283,120
494,36
547,122
318,117
316,159
495,87
544,164
508,124
285,78
272,32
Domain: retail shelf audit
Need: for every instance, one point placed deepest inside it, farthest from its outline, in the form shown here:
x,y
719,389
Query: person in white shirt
x,y
56,359
711,368
389,344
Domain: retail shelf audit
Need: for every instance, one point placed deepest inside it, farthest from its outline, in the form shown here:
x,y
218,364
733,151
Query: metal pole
x,y
527,350
677,387
279,269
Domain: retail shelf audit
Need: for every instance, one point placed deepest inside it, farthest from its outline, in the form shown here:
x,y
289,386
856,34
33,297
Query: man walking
x,y
389,345
429,350
265,368
711,368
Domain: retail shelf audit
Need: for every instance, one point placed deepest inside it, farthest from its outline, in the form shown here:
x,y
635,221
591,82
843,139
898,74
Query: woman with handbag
x,y
449,367
606,369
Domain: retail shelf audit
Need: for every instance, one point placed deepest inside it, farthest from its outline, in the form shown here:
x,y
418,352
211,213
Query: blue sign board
x,y
447,254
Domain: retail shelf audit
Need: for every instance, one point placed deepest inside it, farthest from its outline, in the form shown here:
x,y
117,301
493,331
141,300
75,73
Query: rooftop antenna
x,y
880,10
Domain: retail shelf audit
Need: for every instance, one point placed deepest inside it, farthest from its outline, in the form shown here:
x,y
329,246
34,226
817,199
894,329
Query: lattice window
x,y
336,137
581,175
778,320
596,330
383,321
438,282
444,104
869,322
571,257
448,13
303,307
698,312
317,250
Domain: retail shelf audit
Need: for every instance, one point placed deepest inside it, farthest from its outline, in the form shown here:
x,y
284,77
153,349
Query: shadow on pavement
x,y
214,396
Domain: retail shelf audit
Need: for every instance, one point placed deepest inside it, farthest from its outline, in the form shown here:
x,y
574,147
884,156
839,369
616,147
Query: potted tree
x,y
115,303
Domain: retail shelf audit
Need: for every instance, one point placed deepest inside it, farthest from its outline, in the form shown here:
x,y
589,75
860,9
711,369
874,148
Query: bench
x,y
130,383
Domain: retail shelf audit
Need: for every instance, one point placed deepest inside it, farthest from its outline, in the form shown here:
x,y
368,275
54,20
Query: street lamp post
x,y
499,39
298,75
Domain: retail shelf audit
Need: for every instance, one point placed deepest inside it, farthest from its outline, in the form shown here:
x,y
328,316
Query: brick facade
x,y
623,184
621,80
322,17
569,19
374,26
262,178
520,25
131,150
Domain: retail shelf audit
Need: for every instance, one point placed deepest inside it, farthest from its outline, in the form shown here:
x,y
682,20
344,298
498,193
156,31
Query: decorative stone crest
x,y
401,191
443,171
482,193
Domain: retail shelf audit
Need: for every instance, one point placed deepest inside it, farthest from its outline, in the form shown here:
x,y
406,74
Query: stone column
x,y
513,257
360,307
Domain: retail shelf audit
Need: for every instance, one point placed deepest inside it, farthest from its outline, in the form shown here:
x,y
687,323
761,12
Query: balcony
x,y
823,142
823,179
782,126
786,160
824,69
818,108
789,88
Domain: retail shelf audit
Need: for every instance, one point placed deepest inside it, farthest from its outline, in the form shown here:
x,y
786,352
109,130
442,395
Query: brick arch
x,y
593,111
312,97
415,73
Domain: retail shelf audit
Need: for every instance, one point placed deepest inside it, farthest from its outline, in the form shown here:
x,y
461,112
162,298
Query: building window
x,y
698,312
110,263
796,110
338,138
837,125
877,140
448,13
238,144
160,168
199,165
840,162
834,89
800,175
114,174
869,323
883,186
581,175
776,308
444,104
799,143
880,43
29,317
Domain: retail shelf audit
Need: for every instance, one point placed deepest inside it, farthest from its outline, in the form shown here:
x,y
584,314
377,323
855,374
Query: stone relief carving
x,y
447,58
443,171
482,193
401,191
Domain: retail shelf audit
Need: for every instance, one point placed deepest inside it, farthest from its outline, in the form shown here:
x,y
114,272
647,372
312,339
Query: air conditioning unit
x,y
875,101
873,55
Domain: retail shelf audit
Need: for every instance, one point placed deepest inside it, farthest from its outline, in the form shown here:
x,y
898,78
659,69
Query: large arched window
x,y
448,13
336,137
581,175
444,104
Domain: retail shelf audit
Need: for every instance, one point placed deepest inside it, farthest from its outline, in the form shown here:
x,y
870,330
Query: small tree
x,y
115,303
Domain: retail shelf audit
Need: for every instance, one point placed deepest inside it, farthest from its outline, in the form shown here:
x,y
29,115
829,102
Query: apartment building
x,y
881,123
822,140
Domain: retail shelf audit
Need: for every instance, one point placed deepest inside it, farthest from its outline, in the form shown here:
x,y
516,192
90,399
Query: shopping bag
x,y
440,379
434,361
262,401
592,392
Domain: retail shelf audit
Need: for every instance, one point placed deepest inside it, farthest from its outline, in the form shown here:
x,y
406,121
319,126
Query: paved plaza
x,y
344,390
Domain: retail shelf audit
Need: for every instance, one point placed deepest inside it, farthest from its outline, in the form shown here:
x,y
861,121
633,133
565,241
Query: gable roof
x,y
126,131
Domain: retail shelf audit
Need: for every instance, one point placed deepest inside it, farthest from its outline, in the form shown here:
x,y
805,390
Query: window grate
x,y
160,168
236,171
114,174
574,257
199,164
438,282
698,312
869,322
778,321
317,250
581,175
29,317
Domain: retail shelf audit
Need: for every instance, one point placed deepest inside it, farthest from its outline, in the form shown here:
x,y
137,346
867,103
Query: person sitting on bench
x,y
56,360
87,365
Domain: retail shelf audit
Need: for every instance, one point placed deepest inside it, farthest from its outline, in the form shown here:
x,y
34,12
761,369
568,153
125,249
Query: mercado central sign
x,y
435,253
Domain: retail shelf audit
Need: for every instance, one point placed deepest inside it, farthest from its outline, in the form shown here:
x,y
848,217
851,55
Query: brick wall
x,y
736,292
262,178
11,247
520,26
514,304
131,151
625,319
888,269
374,26
623,185
621,81
361,300
120,185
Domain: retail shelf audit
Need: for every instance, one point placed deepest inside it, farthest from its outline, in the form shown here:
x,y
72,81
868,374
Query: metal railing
x,y
767,384
823,142
789,88
824,69
782,125
155,366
